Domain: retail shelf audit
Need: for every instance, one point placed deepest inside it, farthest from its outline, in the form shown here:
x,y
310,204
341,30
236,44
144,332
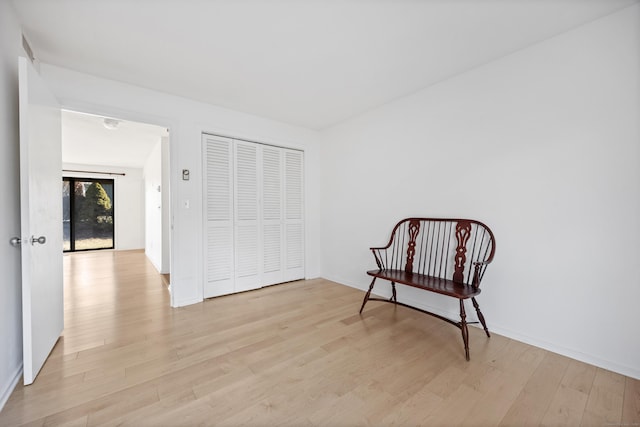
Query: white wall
x,y
543,146
153,205
128,203
187,120
10,283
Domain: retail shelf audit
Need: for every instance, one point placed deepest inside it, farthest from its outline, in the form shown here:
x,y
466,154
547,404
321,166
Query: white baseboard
x,y
10,387
609,365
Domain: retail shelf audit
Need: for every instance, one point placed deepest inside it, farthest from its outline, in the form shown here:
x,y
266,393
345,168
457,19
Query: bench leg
x,y
368,294
393,292
480,316
465,329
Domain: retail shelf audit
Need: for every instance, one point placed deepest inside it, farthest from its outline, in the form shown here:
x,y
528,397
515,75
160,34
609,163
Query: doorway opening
x,y
130,161
87,214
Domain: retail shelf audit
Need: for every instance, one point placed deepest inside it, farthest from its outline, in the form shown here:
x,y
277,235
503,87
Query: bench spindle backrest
x,y
454,249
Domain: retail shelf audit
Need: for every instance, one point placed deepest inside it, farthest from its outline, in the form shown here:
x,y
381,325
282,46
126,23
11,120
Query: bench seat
x,y
427,283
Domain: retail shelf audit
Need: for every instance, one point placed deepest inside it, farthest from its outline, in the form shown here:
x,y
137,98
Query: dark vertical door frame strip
x,y
72,208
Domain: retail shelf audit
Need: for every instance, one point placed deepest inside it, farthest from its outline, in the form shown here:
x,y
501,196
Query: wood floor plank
x,y
604,406
567,407
537,395
498,390
631,404
412,410
451,411
295,354
579,376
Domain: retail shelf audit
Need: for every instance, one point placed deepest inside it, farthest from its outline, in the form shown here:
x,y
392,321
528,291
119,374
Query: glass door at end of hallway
x,y
87,214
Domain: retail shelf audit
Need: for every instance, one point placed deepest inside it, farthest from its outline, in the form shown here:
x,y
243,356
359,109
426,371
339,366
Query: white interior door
x,y
246,212
219,216
41,219
272,218
294,214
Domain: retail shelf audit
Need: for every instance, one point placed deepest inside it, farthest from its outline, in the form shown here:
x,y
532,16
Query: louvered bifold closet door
x,y
247,227
219,216
272,216
294,214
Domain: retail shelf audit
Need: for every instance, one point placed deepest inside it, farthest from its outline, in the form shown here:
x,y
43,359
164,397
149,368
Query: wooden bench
x,y
446,256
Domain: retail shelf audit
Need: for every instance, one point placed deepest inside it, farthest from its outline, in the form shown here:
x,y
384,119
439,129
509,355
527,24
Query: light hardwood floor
x,y
293,354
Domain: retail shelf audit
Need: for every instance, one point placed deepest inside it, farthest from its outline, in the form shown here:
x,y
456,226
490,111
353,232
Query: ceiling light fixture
x,y
111,124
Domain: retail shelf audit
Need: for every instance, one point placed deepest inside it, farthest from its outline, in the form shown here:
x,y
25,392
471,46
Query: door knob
x,y
15,241
42,240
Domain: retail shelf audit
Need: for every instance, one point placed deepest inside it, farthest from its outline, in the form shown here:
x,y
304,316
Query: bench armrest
x,y
478,272
377,253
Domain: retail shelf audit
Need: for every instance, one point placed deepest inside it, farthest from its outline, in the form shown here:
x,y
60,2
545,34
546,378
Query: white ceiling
x,y
312,63
86,141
